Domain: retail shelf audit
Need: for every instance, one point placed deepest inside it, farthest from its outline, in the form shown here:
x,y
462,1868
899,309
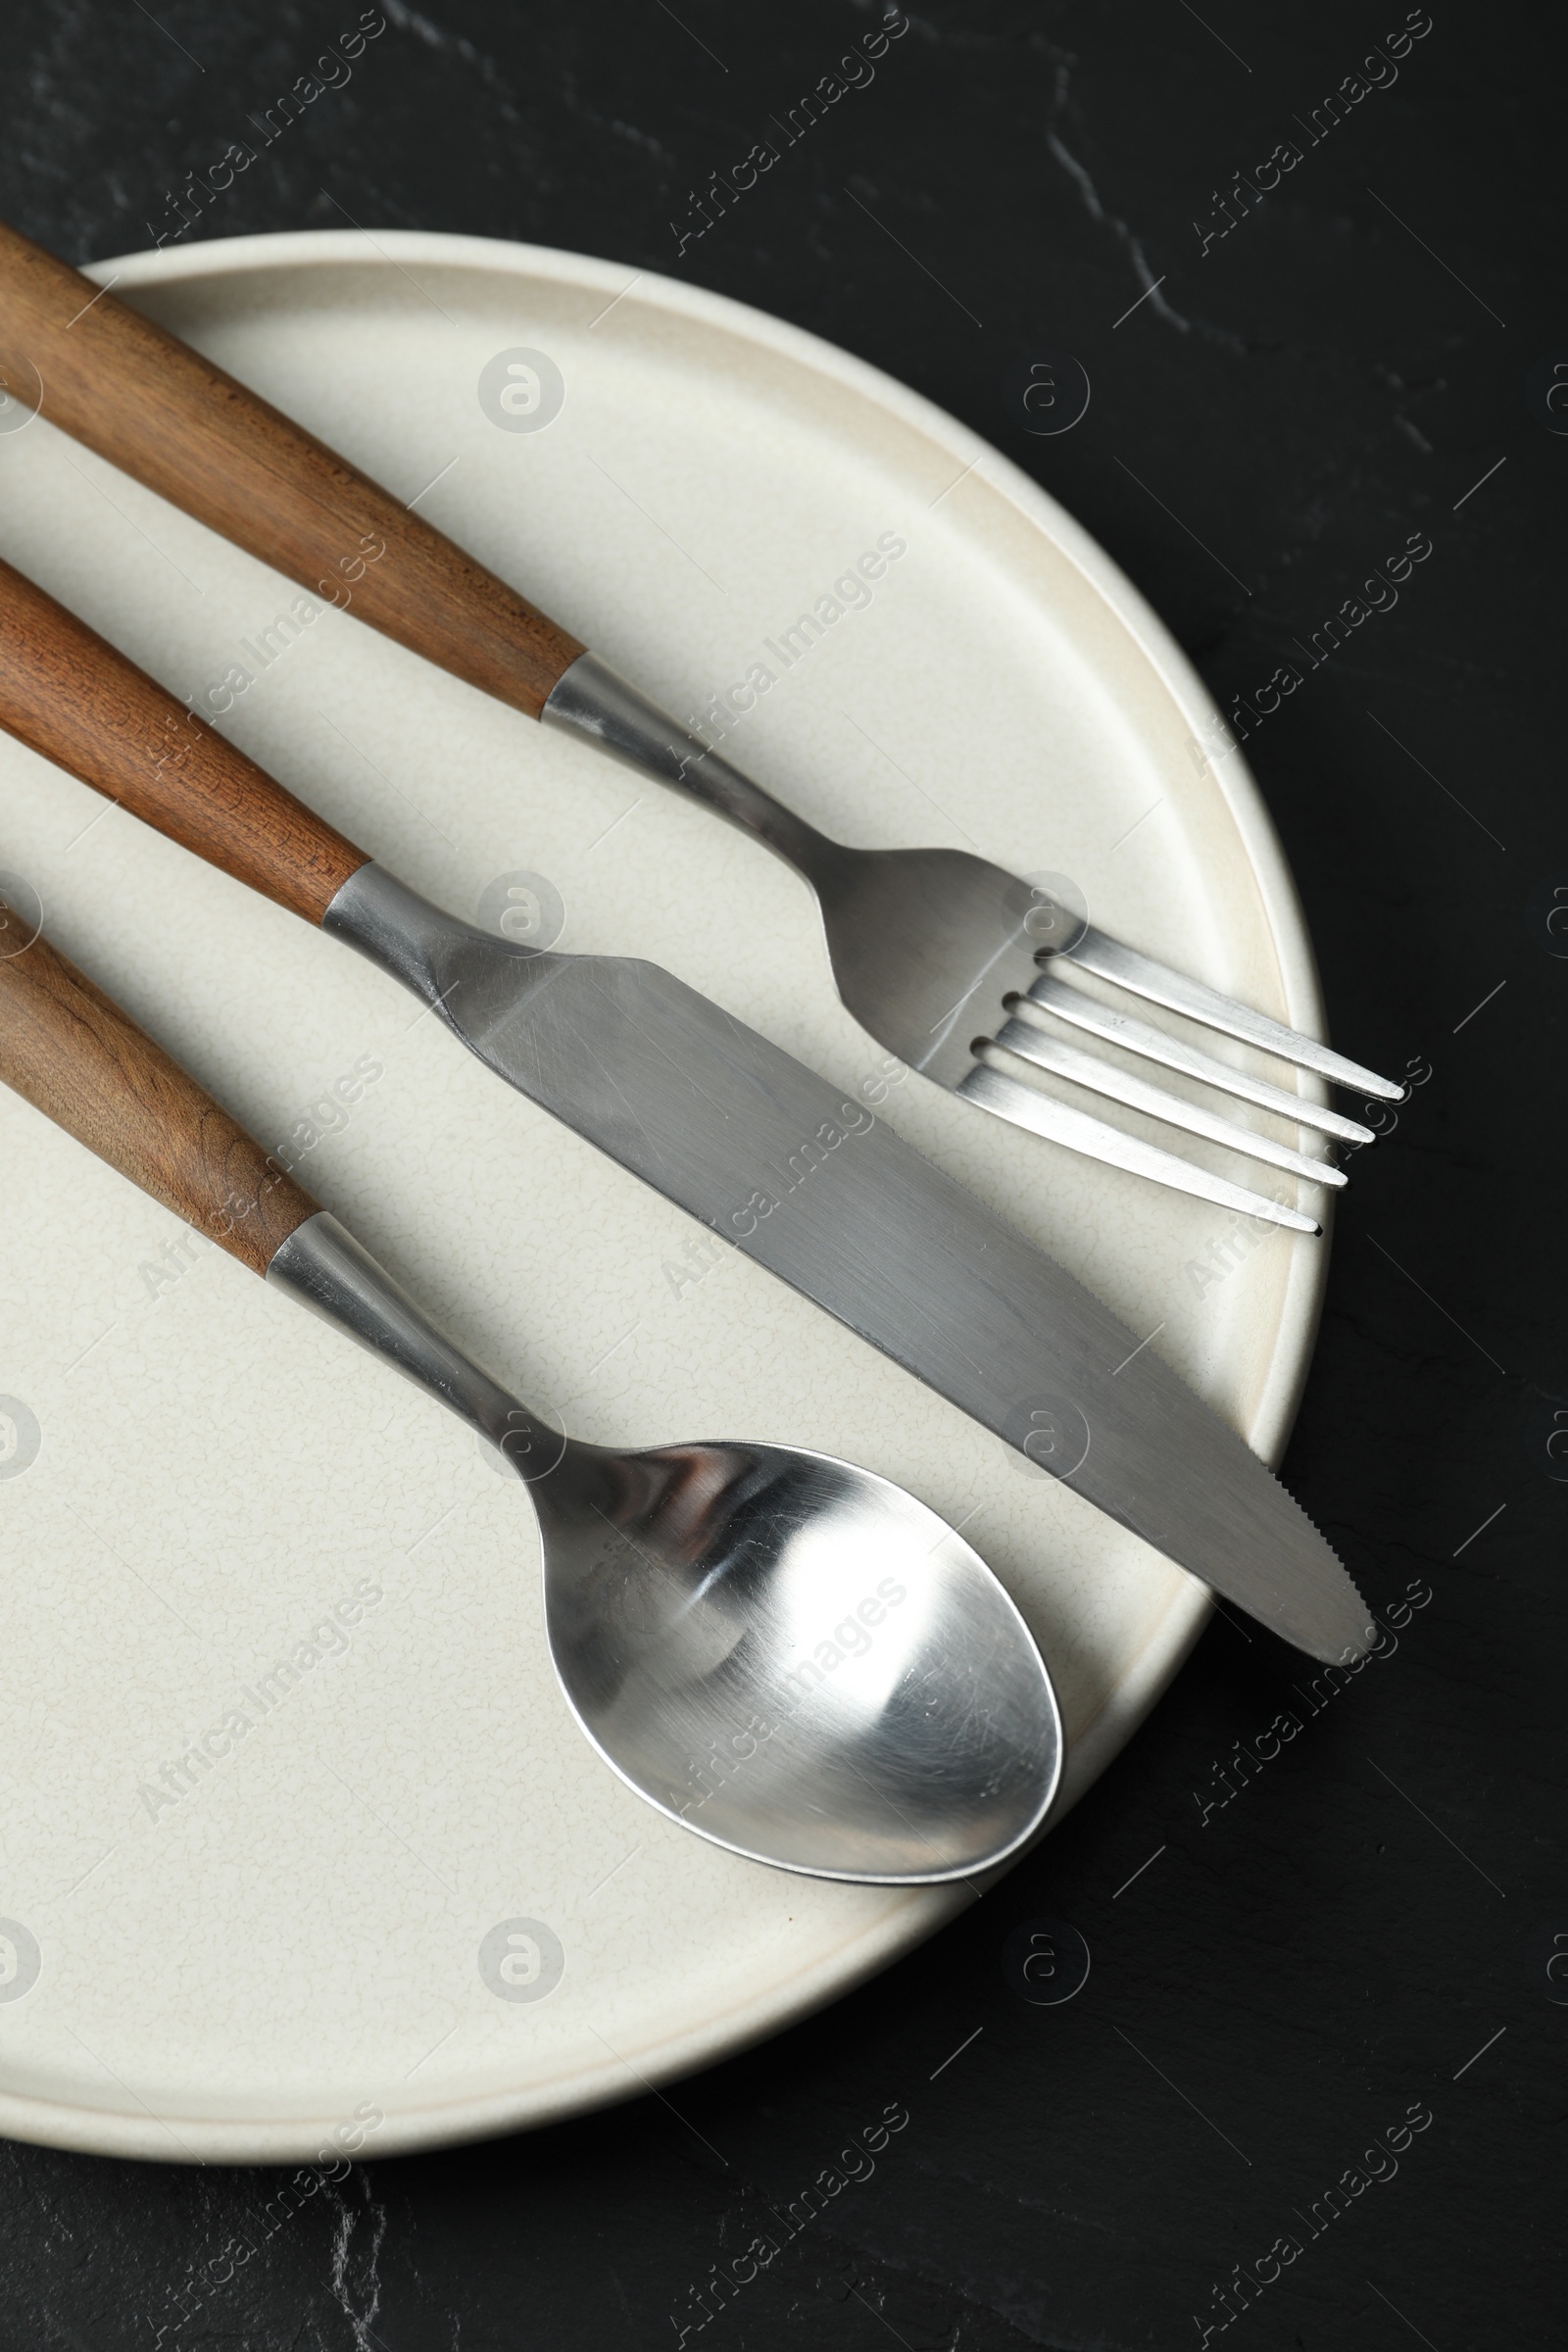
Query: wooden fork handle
x,y
82,704
78,1058
157,409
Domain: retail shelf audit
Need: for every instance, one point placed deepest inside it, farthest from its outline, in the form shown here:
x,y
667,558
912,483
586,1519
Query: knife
x,y
730,1128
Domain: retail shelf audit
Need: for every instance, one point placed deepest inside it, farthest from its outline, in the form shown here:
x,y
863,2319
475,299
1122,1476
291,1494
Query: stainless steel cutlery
x,y
937,952
762,1151
788,1656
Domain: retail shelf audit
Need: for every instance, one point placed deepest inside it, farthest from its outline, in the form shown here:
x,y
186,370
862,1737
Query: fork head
x,y
932,950
927,946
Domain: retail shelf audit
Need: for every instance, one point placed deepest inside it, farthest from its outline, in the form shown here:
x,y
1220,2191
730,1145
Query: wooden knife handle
x,y
157,409
82,704
78,1058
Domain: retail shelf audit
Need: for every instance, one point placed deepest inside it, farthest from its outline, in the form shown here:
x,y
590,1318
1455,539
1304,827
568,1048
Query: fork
x,y
944,957
930,948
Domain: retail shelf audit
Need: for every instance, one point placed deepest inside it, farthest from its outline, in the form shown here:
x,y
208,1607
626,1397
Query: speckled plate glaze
x,y
392,1899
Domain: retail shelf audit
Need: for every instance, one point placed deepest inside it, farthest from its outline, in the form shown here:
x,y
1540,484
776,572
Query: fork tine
x,y
1085,1011
1051,1052
1107,956
1026,1106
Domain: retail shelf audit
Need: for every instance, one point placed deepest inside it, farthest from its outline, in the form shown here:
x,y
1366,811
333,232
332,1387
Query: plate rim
x,y
452,2121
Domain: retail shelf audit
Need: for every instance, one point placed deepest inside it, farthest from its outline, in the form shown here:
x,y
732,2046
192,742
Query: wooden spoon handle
x,y
83,706
157,409
78,1058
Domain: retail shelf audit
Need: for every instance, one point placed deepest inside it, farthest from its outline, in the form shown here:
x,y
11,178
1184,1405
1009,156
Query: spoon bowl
x,y
791,1656
796,1659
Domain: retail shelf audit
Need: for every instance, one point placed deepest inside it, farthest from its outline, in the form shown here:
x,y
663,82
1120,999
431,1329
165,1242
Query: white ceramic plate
x,y
193,1475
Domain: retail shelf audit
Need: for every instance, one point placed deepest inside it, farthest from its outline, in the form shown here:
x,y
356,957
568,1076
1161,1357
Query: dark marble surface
x,y
1299,1968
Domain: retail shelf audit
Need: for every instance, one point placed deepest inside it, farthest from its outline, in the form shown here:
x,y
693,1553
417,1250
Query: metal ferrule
x,y
467,977
395,928
591,698
327,1270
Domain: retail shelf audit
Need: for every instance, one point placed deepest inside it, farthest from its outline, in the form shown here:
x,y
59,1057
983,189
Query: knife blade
x,y
733,1130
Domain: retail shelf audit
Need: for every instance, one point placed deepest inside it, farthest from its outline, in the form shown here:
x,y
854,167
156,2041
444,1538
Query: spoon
x,y
787,1654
